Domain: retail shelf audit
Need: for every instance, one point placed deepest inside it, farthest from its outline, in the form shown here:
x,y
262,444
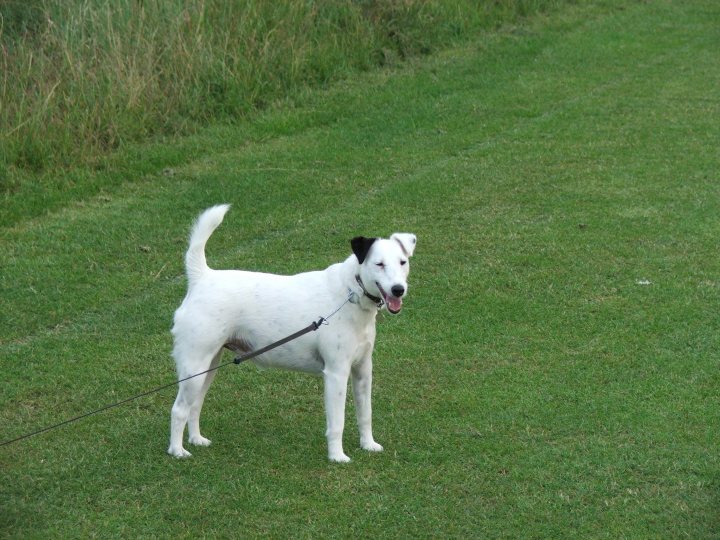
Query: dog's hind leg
x,y
194,416
187,403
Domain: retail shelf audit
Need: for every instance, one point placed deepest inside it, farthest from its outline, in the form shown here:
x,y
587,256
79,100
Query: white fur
x,y
258,309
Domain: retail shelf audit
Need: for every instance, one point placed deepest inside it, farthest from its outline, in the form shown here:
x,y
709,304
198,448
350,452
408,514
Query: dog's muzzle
x,y
393,301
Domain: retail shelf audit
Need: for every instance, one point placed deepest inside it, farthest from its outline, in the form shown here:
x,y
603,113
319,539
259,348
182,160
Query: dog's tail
x,y
208,221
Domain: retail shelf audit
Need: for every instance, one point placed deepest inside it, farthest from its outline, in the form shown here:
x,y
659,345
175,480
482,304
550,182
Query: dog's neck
x,y
379,302
349,274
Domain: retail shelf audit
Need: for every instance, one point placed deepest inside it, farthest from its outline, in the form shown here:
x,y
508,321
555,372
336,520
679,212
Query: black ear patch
x,y
360,246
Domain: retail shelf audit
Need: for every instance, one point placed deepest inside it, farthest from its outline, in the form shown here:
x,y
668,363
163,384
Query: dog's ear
x,y
407,242
360,246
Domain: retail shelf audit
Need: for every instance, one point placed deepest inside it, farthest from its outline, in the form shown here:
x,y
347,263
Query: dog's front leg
x,y
335,396
362,387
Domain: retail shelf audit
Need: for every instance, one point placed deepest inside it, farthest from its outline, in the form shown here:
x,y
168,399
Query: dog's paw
x,y
179,453
339,458
371,446
199,441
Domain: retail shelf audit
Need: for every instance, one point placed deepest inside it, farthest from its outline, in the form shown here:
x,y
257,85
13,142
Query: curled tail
x,y
208,221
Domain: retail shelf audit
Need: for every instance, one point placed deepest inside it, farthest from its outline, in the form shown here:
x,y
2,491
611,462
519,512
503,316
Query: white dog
x,y
250,310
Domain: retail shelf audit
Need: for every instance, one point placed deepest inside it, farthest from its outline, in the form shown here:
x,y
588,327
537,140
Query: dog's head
x,y
384,266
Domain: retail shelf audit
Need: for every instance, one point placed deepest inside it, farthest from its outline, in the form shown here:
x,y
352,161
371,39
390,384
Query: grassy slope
x,y
531,387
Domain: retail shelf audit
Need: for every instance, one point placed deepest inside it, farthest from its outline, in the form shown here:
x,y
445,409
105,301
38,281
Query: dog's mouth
x,y
393,303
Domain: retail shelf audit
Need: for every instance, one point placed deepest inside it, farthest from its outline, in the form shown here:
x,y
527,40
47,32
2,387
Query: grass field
x,y
553,374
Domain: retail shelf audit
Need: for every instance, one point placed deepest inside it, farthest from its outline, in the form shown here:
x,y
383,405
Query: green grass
x,y
532,386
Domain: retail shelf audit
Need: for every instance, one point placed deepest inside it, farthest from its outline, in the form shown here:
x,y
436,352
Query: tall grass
x,y
79,78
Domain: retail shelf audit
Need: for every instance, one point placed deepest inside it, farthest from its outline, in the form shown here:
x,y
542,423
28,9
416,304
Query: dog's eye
x,y
380,265
403,263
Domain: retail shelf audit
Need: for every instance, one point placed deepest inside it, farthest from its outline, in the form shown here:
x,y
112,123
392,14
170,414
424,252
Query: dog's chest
x,y
348,342
362,350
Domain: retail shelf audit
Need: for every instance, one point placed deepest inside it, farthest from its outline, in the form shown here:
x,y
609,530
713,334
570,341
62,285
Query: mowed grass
x,y
554,372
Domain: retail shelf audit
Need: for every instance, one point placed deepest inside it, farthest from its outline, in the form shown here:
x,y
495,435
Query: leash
x,y
237,360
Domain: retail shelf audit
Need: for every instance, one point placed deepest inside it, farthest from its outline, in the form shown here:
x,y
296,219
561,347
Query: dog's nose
x,y
398,291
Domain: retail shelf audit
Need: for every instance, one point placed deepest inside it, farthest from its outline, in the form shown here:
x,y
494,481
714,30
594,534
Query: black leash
x,y
252,354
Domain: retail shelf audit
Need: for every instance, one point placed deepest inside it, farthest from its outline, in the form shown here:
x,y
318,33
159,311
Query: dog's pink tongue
x,y
394,304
